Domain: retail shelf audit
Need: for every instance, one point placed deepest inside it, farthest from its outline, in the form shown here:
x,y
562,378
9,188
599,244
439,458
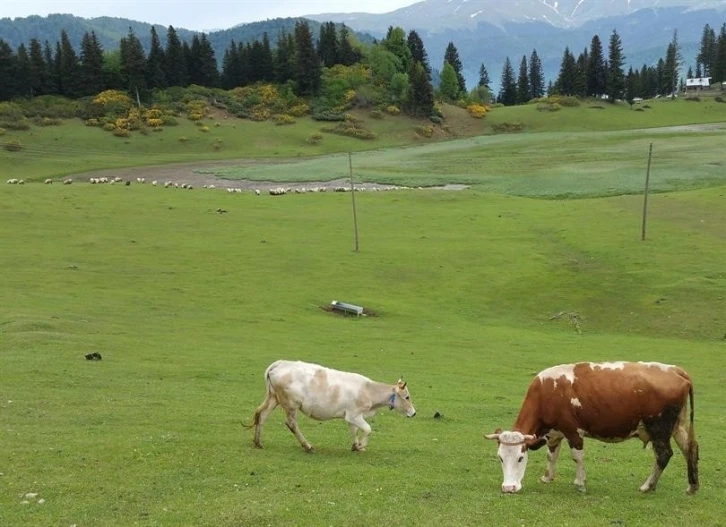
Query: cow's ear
x,y
536,443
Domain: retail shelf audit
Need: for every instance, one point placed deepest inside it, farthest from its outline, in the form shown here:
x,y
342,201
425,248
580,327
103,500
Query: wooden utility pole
x,y
352,194
645,195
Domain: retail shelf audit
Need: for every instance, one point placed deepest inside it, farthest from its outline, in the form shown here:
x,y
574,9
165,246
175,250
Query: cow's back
x,y
609,400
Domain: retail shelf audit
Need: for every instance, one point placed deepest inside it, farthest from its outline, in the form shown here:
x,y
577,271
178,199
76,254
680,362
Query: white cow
x,y
322,394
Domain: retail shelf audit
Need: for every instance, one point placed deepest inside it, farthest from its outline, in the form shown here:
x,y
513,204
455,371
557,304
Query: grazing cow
x,y
611,402
322,394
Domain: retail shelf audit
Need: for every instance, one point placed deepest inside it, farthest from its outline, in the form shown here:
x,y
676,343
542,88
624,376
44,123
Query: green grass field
x,y
188,307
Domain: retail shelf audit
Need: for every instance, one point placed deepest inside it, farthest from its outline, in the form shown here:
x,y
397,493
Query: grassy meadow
x,y
188,306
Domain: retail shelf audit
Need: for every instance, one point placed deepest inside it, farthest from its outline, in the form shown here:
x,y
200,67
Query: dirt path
x,y
184,173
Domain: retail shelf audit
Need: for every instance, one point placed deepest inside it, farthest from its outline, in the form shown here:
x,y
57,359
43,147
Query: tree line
x,y
593,74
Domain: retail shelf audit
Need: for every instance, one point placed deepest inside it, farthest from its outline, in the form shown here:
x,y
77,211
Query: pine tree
x,y
50,79
631,86
133,65
580,86
566,80
230,67
69,68
328,44
347,54
37,68
177,73
156,63
452,57
448,83
267,67
418,52
421,92
536,76
284,58
508,90
8,72
689,74
719,63
22,71
596,70
616,77
699,73
707,52
672,64
307,63
523,86
484,77
396,43
91,64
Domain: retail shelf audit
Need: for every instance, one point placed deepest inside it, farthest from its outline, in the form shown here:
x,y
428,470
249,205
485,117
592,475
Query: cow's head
x,y
401,399
513,452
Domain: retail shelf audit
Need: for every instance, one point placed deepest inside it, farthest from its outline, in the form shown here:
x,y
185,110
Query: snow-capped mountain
x,y
436,15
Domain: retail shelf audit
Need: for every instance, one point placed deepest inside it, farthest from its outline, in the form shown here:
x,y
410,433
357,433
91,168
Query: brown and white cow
x,y
323,393
611,402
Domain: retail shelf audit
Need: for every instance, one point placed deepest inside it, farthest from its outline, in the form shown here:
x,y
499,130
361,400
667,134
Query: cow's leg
x,y
578,455
660,430
360,424
553,452
354,434
291,422
261,415
689,448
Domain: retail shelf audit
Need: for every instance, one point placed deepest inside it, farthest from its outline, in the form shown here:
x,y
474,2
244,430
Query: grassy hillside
x,y
73,147
188,307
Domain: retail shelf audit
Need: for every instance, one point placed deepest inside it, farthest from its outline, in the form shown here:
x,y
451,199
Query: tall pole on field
x,y
352,194
645,196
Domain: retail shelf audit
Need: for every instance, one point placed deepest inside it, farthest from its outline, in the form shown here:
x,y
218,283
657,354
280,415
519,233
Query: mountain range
x,y
484,31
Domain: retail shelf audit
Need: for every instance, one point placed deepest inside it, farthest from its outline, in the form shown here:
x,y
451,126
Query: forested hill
x,y
109,31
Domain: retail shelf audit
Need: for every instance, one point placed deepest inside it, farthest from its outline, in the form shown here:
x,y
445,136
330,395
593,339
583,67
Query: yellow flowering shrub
x,y
476,110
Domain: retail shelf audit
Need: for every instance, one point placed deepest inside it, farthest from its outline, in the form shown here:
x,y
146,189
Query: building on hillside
x,y
698,84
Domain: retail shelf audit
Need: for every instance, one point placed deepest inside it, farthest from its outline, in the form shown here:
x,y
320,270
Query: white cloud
x,y
193,14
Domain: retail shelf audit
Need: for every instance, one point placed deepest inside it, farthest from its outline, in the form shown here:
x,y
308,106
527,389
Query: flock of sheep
x,y
277,191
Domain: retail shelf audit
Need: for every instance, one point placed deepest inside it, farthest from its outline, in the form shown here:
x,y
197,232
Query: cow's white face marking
x,y
619,365
576,402
664,367
557,372
513,456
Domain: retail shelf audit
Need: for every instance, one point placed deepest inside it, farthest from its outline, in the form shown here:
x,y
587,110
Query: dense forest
x,y
331,62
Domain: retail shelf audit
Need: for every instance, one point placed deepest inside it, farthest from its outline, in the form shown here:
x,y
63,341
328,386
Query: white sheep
x,y
117,179
67,181
238,190
48,181
257,192
12,181
153,182
21,182
211,186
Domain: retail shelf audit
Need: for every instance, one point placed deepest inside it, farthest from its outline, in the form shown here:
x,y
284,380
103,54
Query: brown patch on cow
x,y
334,394
320,381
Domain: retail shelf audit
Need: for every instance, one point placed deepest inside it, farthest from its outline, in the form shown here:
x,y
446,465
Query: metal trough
x,y
347,308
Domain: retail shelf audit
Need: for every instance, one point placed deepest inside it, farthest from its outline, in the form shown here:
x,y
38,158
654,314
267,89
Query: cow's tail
x,y
270,394
692,451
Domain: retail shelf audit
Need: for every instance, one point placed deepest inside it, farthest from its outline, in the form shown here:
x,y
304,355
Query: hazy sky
x,y
194,14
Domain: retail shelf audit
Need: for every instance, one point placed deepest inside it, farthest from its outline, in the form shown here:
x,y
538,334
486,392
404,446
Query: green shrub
x,y
693,98
11,112
121,132
183,139
640,109
425,131
596,107
497,105
21,124
376,114
109,127
568,101
284,119
351,130
508,128
47,121
169,121
328,115
647,106
13,146
436,119
718,98
2,131
548,107
314,138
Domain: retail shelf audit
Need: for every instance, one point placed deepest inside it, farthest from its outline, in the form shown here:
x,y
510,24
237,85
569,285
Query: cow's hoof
x,y
354,447
580,488
691,490
258,445
546,479
309,449
646,488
